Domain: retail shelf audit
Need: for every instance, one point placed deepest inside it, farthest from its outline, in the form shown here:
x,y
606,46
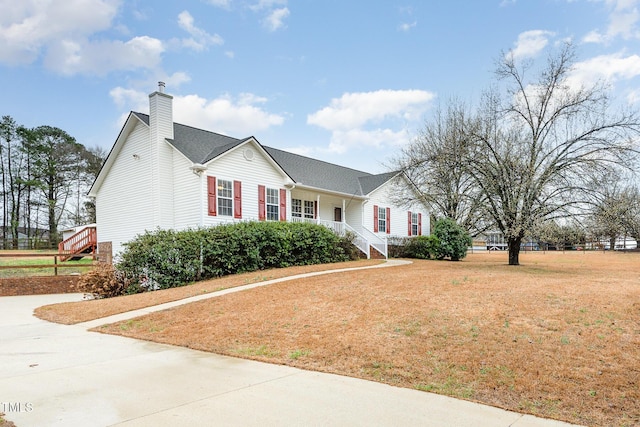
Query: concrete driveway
x,y
56,375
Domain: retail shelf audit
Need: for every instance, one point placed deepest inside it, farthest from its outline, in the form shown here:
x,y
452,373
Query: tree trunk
x,y
612,243
514,250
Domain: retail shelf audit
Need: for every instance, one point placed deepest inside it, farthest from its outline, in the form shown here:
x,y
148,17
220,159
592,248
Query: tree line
x,y
540,154
45,175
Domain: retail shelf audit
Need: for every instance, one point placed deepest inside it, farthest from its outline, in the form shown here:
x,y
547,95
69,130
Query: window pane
x,y
272,213
309,209
273,204
296,207
225,197
414,224
382,220
225,206
272,196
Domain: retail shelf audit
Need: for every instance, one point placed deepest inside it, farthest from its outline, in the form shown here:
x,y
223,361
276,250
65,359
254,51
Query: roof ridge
x,y
365,174
198,129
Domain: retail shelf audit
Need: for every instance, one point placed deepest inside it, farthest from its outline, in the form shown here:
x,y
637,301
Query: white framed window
x,y
382,220
225,197
296,208
414,224
309,209
273,204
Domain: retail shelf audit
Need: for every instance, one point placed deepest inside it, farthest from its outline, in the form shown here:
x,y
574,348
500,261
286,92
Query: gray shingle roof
x,y
371,182
201,146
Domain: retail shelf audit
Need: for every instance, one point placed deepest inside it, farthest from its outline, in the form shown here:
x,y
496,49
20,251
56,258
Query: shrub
x,y
104,281
454,240
422,247
397,247
167,258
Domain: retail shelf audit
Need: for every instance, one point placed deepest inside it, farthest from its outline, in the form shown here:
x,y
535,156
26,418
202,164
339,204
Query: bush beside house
x,y
167,258
449,240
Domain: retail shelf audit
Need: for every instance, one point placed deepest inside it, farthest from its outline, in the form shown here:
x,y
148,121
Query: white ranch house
x,y
161,174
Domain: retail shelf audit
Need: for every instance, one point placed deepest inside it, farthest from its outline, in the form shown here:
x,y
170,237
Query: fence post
x,y
55,262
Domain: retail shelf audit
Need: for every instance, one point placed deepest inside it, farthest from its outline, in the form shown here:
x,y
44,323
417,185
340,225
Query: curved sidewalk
x,y
59,375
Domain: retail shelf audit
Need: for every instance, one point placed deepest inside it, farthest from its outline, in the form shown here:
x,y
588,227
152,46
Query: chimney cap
x,y
161,86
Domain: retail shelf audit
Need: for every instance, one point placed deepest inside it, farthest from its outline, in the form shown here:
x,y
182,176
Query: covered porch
x,y
342,215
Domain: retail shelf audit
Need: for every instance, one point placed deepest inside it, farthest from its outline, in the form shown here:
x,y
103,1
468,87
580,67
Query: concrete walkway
x,y
57,375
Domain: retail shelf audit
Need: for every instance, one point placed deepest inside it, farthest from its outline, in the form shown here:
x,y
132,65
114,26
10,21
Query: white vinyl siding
x,y
234,166
186,194
123,204
398,216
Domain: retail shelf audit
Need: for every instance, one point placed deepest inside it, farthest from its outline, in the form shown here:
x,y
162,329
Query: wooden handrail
x,y
87,238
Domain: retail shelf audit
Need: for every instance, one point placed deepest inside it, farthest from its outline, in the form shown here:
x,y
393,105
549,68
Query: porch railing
x,y
362,242
378,243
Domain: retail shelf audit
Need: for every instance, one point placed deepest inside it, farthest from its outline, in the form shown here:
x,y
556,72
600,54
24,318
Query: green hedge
x,y
167,258
449,240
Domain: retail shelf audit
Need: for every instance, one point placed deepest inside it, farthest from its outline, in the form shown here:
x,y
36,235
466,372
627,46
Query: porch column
x,y
318,202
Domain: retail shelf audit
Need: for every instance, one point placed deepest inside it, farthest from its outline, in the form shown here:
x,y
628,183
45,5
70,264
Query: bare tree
x,y
434,164
614,212
532,147
538,146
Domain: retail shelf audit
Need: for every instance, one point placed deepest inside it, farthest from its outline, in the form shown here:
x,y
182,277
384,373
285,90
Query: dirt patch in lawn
x,y
557,337
82,311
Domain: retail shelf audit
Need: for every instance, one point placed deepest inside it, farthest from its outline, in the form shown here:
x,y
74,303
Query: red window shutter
x,y
419,224
261,203
237,199
409,223
375,218
388,220
212,196
283,204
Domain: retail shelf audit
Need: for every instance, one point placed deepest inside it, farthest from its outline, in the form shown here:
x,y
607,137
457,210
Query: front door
x,y
337,214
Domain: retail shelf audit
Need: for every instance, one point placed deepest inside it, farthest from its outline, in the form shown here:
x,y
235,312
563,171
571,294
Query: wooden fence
x,y
57,263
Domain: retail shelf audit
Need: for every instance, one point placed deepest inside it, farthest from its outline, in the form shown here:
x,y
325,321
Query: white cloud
x,y
356,109
276,12
362,119
275,20
86,57
407,26
200,39
530,43
267,4
342,141
623,19
224,4
609,68
130,98
29,27
238,116
633,97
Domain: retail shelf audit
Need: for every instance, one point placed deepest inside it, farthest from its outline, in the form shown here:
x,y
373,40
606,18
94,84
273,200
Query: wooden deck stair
x,y
81,244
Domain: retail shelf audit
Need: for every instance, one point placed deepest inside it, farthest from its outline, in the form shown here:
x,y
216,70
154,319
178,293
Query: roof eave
x,y
335,193
128,126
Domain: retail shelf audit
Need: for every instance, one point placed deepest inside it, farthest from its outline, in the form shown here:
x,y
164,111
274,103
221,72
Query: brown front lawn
x,y
82,311
557,337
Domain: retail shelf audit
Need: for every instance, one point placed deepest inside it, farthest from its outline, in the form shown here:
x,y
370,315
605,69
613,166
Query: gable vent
x,y
248,154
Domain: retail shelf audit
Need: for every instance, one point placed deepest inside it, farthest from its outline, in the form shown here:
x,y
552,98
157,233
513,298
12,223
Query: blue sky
x,y
346,81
